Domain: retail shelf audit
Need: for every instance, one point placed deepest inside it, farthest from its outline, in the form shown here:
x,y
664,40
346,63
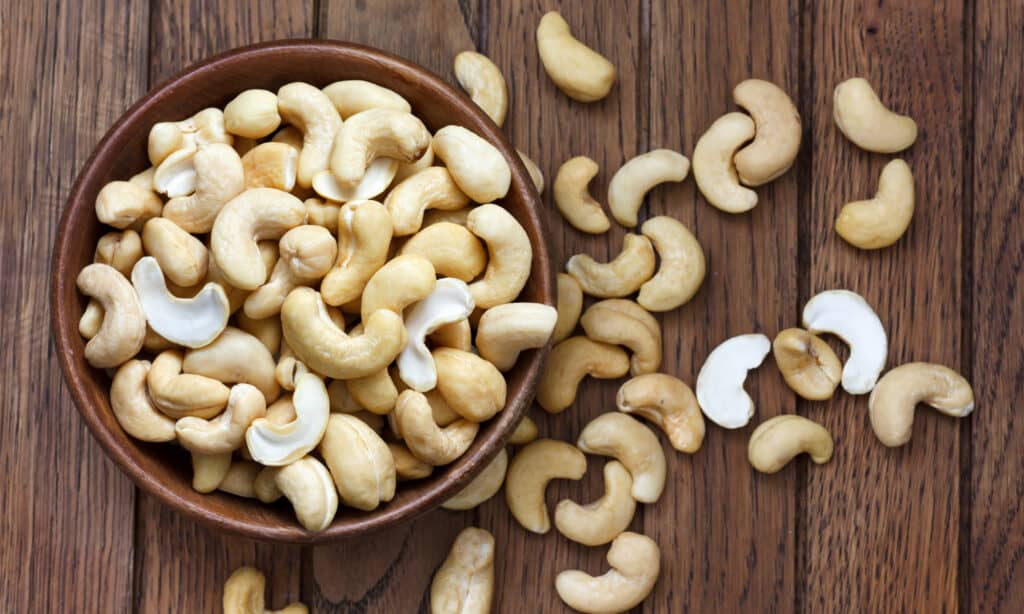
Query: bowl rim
x,y
64,333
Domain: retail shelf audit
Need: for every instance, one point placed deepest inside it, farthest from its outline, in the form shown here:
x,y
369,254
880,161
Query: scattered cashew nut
x,y
484,486
243,594
636,562
892,402
464,584
600,521
579,71
713,168
634,445
682,266
623,322
573,199
622,276
848,316
667,402
720,390
570,304
478,75
529,473
777,138
809,366
880,221
862,117
572,360
777,440
638,176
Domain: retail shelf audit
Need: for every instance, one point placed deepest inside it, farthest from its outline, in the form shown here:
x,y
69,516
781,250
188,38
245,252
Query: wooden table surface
x,y
934,526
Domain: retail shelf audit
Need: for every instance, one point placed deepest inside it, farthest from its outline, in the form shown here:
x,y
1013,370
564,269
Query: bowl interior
x,y
164,470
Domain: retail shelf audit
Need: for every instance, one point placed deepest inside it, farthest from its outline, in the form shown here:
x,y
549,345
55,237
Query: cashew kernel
x,y
243,594
667,402
720,390
122,204
271,165
476,166
364,236
376,133
226,432
638,176
430,443
777,138
407,466
892,402
235,357
307,253
713,168
529,473
570,304
510,256
682,266
307,484
848,316
635,564
252,114
623,322
452,249
360,462
464,584
573,199
572,360
880,221
273,444
862,117
579,71
809,366
123,328
620,277
506,330
484,486
220,177
431,188
355,96
634,445
182,257
180,394
192,322
602,520
478,75
311,112
777,440
131,405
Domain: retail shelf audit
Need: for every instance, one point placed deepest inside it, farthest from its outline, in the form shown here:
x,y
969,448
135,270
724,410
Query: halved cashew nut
x,y
226,432
307,484
288,368
622,276
407,466
364,236
132,407
682,266
430,443
867,122
477,167
636,562
573,199
453,250
667,402
182,257
529,473
271,165
484,486
379,175
204,128
510,256
720,390
478,75
308,109
536,176
180,394
600,521
572,360
809,366
777,139
623,322
880,221
448,302
634,445
404,280
638,176
306,254
235,356
355,96
506,330
892,402
252,114
464,584
431,188
579,71
192,322
220,177
525,432
243,594
360,462
848,316
372,134
176,175
713,167
122,204
209,470
470,385
123,327
276,445
570,304
777,440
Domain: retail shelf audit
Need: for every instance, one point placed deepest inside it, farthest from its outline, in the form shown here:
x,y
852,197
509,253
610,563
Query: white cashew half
x,y
484,486
379,175
602,520
635,564
634,445
867,122
713,167
477,167
848,316
620,277
252,114
122,204
510,256
464,584
638,176
573,199
777,440
276,445
191,322
777,140
372,134
720,390
667,402
478,75
123,328
308,109
623,322
235,356
226,432
892,402
364,237
220,177
572,360
682,266
450,301
529,473
360,462
132,407
880,221
579,71
431,188
307,484
271,165
355,96
506,330
570,305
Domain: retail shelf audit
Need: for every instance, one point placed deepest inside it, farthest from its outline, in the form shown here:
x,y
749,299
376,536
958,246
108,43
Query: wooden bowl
x,y
164,470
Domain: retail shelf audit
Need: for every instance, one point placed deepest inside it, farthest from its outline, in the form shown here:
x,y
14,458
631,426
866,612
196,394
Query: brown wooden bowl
x,y
163,470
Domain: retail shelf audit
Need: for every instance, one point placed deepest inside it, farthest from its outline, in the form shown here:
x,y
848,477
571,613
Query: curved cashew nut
x,y
536,176
220,177
848,316
192,322
364,236
713,167
506,330
882,220
313,113
180,394
484,486
275,445
271,165
176,175
307,484
182,257
777,139
464,584
235,357
570,304
777,440
376,392
243,594
91,320
623,322
267,330
510,256
453,250
436,216
484,83
634,445
360,462
600,521
809,366
123,328
306,254
636,562
448,302
404,280
226,432
720,390
667,402
573,199
443,414
638,176
867,122
379,175
892,402
525,432
372,134
408,169
579,71
572,360
252,114
529,473
132,407
322,213
471,386
430,443
431,188
622,276
240,480
407,466
204,128
682,265
355,96
476,166
325,348
122,204
209,470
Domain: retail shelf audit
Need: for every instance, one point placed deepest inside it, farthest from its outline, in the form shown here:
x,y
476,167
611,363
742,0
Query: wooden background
x,y
932,527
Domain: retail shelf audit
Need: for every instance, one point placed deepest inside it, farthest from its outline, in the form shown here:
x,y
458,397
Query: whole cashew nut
x,y
209,470
271,165
713,168
484,486
478,75
880,221
682,265
308,109
192,322
182,257
529,473
235,357
579,71
360,462
573,199
623,322
372,134
634,445
307,484
506,330
355,96
274,445
809,366
777,138
622,276
307,253
322,213
453,250
570,304
122,204
364,236
376,392
635,564
267,330
638,176
123,327
402,281
510,256
430,443
226,432
777,440
720,390
464,584
243,594
477,167
448,302
862,117
220,177
848,316
407,466
600,521
667,402
431,188
470,385
525,432
572,360
252,114
180,394
131,405
892,402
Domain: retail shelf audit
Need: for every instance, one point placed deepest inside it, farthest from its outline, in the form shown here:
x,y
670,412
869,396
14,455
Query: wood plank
x,y
65,506
880,527
993,341
180,565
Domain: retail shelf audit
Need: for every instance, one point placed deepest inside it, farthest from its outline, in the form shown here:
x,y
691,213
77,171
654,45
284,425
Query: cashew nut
x,y
880,221
600,521
536,176
431,188
313,113
529,473
220,177
120,250
288,368
436,216
209,470
622,276
271,165
182,257
720,390
240,480
267,330
192,322
892,402
623,322
235,357
376,392
682,265
407,466
355,96
180,394
778,440
484,486
322,213
122,204
478,75
477,167
408,169
667,402
252,114
506,330
638,176
777,139
458,335
848,316
579,71
307,484
453,250
379,175
634,445
635,564
243,594
510,256
144,179
713,167
276,445
360,462
91,320
132,407
464,584
572,360
401,282
226,432
809,366
448,302
442,413
176,175
364,236
306,254
124,322
867,122
430,443
570,304
204,128
288,135
264,486
372,134
470,385
525,432
573,199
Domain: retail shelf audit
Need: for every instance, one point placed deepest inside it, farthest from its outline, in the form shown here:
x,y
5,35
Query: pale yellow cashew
x,y
881,221
264,485
579,71
236,357
572,360
120,250
307,484
396,285
322,213
635,564
573,199
122,204
470,385
510,256
364,236
355,96
777,139
640,175
193,322
458,335
180,394
484,83
436,216
525,432
275,444
131,405
360,462
809,366
431,188
288,368
476,166
623,322
713,168
376,133
243,594
430,443
288,135
464,584
182,257
271,165
407,466
443,414
252,114
378,177
312,113
209,470
529,473
620,277
144,179
484,486
453,250
602,520
240,480
570,304
307,253
376,392
267,330
204,128
634,445
682,266
506,330
777,440
536,176
892,402
226,432
862,117
220,177
408,169
123,328
667,402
